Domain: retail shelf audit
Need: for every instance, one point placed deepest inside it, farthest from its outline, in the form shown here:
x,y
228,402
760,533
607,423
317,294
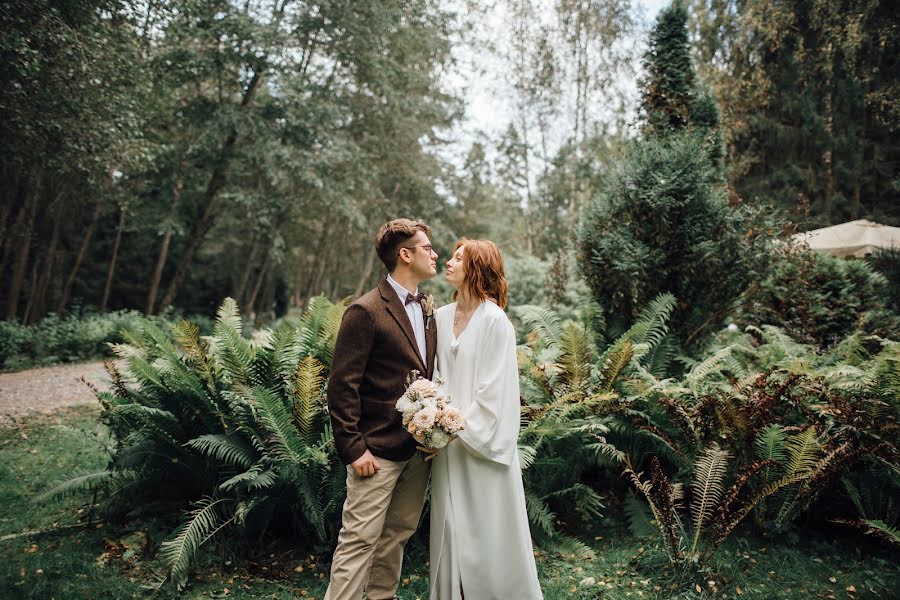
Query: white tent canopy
x,y
856,238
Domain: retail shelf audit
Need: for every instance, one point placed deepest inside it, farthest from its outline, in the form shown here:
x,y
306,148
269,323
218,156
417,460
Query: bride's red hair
x,y
483,265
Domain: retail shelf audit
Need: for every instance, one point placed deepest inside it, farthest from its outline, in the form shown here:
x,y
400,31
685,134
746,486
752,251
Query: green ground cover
x,y
43,556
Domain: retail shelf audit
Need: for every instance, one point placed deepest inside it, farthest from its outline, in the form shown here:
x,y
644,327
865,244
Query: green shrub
x,y
887,262
661,224
13,337
818,299
77,336
228,435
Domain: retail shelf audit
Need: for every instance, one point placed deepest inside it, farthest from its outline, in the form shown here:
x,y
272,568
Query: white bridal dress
x,y
479,527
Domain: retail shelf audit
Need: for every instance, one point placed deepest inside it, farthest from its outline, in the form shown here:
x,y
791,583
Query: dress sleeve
x,y
493,415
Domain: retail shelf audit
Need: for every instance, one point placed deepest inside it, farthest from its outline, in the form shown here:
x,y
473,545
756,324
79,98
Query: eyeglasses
x,y
427,247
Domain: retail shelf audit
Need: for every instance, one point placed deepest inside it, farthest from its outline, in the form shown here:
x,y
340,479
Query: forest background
x,y
174,153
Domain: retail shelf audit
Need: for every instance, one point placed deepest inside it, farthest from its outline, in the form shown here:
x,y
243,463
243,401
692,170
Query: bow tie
x,y
414,298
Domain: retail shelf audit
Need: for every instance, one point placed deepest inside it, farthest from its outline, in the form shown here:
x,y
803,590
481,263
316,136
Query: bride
x,y
480,542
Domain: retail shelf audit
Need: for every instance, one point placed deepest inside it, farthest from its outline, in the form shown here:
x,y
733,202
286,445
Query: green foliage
x,y
812,115
229,426
661,225
74,337
818,299
668,89
887,262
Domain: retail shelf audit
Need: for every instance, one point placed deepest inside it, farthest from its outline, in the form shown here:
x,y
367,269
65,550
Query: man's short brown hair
x,y
393,235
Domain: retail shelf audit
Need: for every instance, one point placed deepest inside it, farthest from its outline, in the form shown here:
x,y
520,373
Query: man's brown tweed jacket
x,y
375,351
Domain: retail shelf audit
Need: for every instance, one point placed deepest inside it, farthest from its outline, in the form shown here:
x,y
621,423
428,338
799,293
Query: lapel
x,y
397,310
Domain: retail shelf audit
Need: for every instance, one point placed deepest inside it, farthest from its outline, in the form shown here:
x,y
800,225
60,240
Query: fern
x,y
708,489
874,527
771,444
254,478
576,349
639,516
81,482
235,353
308,395
283,436
542,321
229,449
615,360
179,552
652,324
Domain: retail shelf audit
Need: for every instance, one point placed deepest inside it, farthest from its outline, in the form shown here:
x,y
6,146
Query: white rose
x,y
404,404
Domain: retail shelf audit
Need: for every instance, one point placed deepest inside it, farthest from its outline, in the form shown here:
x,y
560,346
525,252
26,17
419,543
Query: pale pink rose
x,y
422,387
424,419
453,420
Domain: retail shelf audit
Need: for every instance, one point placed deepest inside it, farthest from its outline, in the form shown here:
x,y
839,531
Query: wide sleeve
x,y
493,415
351,354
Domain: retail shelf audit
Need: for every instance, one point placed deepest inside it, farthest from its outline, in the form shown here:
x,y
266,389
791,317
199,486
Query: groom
x,y
383,337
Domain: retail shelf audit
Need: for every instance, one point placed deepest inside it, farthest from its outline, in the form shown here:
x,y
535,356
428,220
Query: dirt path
x,y
46,390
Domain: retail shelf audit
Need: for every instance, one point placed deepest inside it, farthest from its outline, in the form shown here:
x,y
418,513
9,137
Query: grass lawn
x,y
104,561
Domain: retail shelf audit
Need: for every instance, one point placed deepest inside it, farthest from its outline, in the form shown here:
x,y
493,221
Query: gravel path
x,y
47,390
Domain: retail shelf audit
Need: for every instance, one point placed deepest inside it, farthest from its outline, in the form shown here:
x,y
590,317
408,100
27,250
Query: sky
x,y
484,84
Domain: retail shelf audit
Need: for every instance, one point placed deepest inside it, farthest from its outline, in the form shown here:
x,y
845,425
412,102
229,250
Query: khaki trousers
x,y
380,514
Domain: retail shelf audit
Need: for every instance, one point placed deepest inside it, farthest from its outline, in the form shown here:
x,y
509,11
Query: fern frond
x,y
527,454
254,478
803,450
639,516
540,320
228,449
540,515
234,352
708,488
283,436
699,373
178,552
308,383
576,355
582,498
652,324
771,444
874,527
81,482
614,362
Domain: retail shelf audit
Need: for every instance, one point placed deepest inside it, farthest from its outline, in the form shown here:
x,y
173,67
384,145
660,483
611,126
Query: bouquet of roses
x,y
427,413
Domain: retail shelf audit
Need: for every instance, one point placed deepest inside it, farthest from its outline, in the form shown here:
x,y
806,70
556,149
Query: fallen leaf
x,y
832,579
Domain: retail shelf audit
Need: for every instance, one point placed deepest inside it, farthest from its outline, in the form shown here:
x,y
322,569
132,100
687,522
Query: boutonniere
x,y
428,309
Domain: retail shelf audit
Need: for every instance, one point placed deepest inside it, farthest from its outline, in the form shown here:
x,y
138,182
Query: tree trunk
x,y
24,237
248,266
30,304
210,199
40,294
316,266
9,236
82,253
112,261
163,250
263,272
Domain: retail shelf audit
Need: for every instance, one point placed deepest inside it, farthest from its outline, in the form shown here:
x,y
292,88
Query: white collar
x,y
401,291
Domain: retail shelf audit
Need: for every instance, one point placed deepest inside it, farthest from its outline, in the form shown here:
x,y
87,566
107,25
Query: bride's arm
x,y
493,415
